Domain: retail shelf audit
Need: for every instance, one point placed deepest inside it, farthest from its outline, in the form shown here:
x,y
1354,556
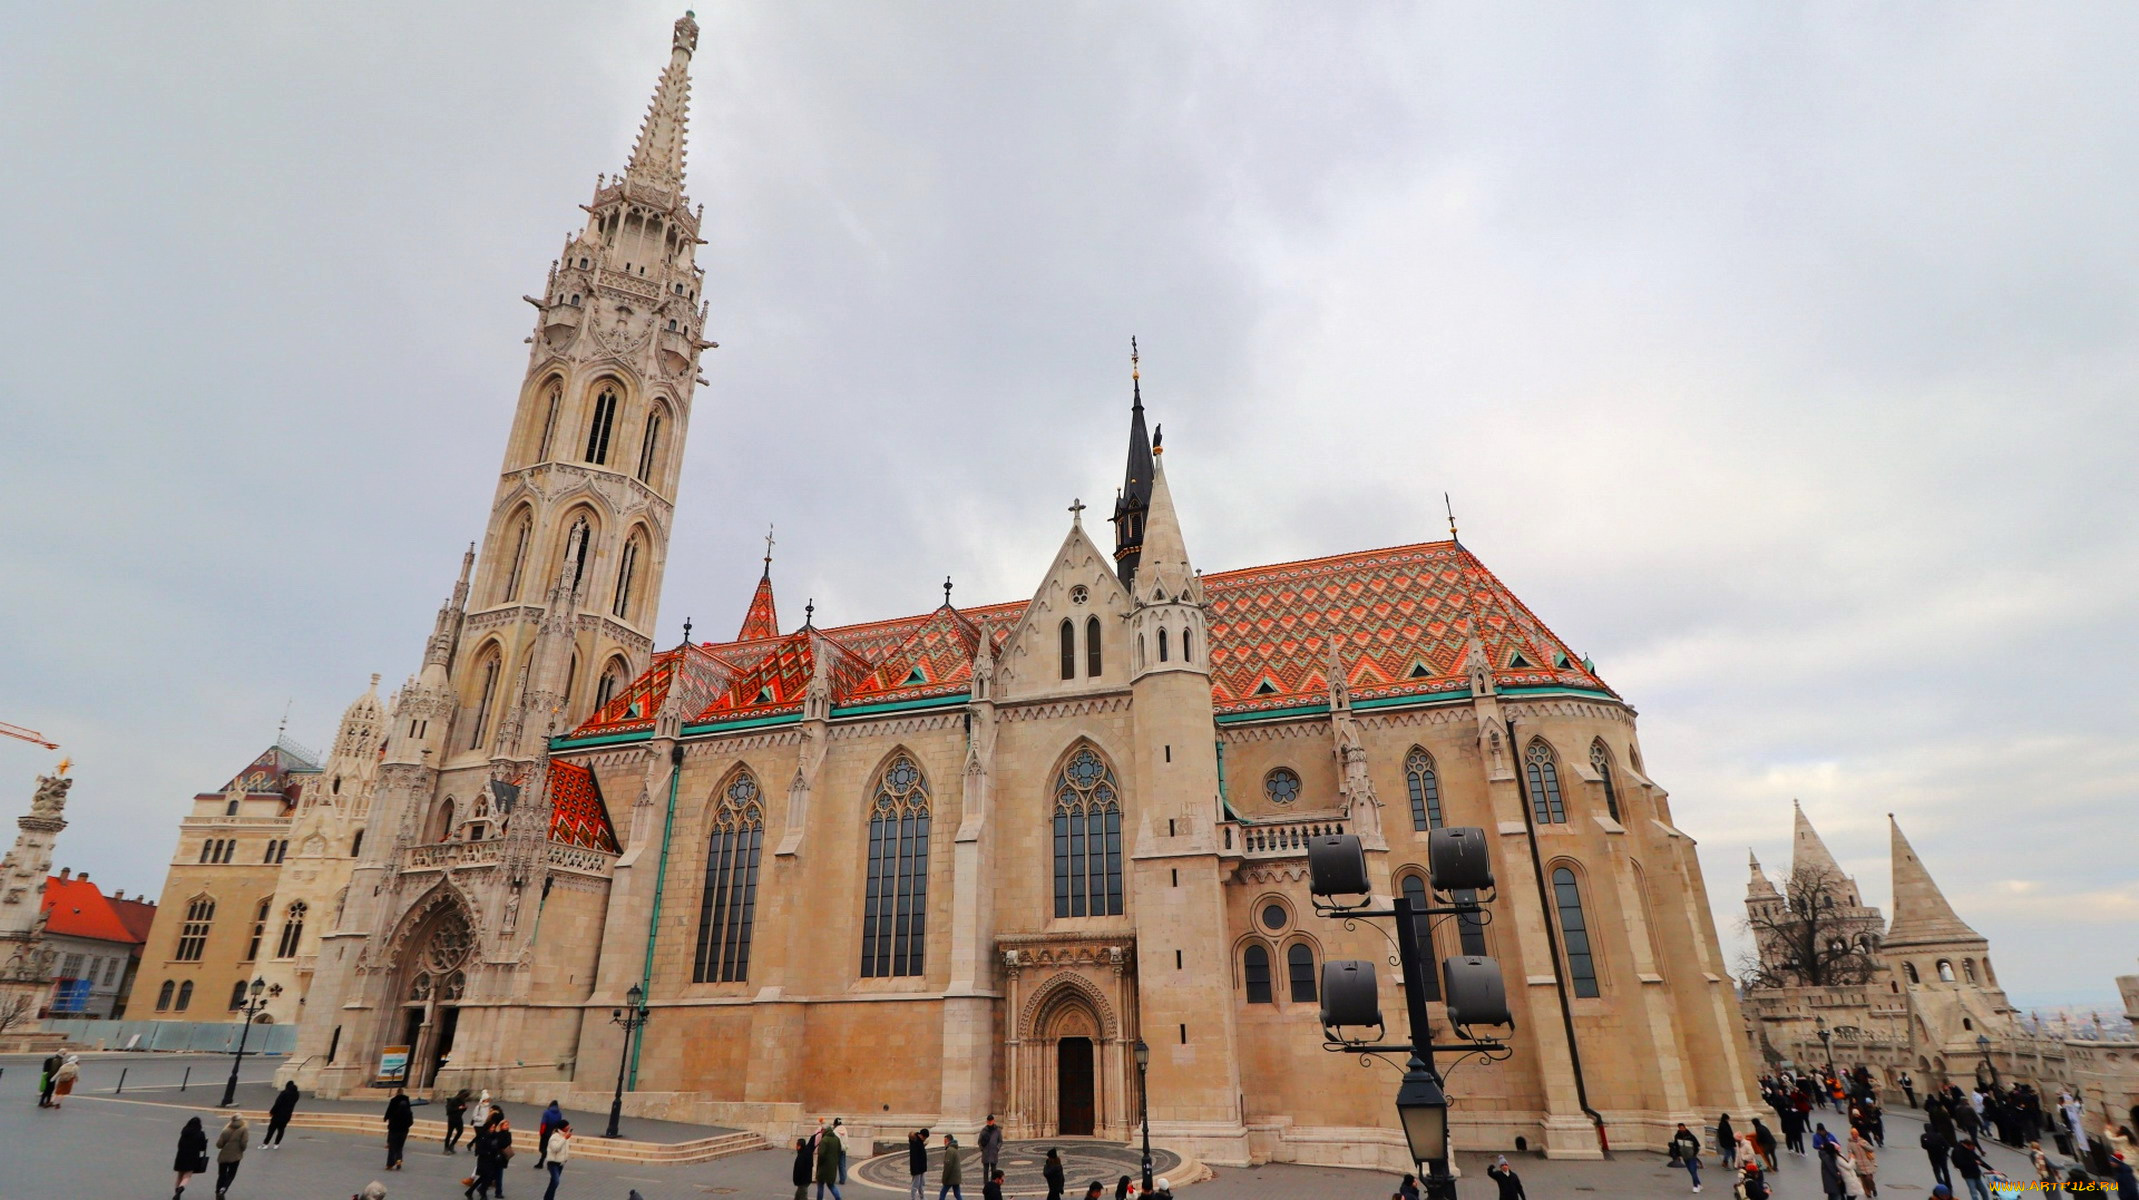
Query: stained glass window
x,y
293,931
1600,761
895,897
1087,839
598,430
727,909
1282,786
1544,774
1425,790
1574,933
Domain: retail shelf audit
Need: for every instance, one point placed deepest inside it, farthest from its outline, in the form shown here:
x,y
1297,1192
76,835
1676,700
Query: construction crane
x,y
27,735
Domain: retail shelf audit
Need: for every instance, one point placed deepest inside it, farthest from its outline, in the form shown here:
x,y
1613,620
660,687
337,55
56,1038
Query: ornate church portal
x,y
434,979
1071,1062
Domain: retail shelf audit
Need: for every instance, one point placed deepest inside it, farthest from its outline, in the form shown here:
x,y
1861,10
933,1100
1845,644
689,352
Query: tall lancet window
x,y
576,546
293,930
1574,933
1544,776
485,700
549,421
523,528
1068,654
1087,839
650,446
626,567
1600,761
599,429
729,906
895,897
612,679
1092,659
1425,788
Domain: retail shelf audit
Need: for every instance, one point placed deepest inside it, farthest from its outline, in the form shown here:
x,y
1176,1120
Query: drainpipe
x,y
1552,938
653,923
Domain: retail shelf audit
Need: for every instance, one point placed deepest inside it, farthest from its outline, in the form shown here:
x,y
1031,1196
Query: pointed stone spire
x,y
1134,499
1164,561
657,159
1759,887
445,631
1807,851
762,620
1921,914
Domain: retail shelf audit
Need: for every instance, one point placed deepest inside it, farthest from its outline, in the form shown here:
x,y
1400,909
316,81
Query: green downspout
x,y
653,925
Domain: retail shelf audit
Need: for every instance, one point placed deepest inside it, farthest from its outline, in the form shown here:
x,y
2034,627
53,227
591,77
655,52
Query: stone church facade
x,y
923,869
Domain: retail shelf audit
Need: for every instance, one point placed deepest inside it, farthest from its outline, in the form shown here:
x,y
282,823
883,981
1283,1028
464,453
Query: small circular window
x,y
1080,594
1273,916
1282,786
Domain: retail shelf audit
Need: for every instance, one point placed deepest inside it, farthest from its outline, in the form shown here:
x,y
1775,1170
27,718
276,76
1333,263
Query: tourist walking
x,y
1726,1142
829,1152
953,1169
1864,1161
493,1150
48,1078
1764,1143
1504,1176
70,1069
991,1146
993,1189
456,1119
229,1152
1686,1152
399,1116
916,1163
479,1112
192,1155
1908,1088
2045,1170
1968,1163
278,1116
1407,1188
1935,1150
557,1151
804,1160
1051,1171
552,1117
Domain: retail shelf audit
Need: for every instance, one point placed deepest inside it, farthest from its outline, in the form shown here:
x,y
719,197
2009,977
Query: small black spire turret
x,y
1134,501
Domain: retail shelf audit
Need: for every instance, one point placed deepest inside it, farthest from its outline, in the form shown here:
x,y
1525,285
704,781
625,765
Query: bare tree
x,y
16,1009
1808,936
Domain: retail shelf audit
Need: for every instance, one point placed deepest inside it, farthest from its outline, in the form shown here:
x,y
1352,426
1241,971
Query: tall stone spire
x,y
1164,561
1808,852
762,620
1131,506
657,159
445,631
1921,914
1759,887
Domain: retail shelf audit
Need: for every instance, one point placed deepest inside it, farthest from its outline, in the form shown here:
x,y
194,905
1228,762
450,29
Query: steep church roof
x,y
762,620
274,773
578,817
1921,914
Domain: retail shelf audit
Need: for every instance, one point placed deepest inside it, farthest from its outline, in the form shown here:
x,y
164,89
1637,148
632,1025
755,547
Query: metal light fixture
x,y
1143,1095
1423,1109
631,1019
259,986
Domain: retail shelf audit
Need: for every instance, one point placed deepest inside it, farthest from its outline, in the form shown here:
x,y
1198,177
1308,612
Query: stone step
x,y
587,1146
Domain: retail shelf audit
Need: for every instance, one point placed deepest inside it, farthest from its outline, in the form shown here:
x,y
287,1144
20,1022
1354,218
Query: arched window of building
x,y
237,995
163,995
549,420
650,446
293,930
578,545
1255,973
727,910
1186,655
252,945
1544,777
1413,885
1909,969
1989,976
1068,649
1945,970
612,679
1282,786
486,696
626,568
185,996
599,428
1140,652
1092,659
522,529
1162,643
441,821
1425,790
356,844
1300,970
895,895
1600,761
1087,838
1574,933
1968,969
193,935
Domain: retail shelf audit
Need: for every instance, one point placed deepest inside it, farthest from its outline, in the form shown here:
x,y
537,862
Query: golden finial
x,y
1135,372
64,764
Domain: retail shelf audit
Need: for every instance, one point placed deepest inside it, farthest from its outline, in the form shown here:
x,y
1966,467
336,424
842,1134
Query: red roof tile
x,y
77,908
577,815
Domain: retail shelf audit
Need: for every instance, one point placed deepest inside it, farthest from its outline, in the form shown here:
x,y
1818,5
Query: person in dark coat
x,y
804,1160
1051,1170
552,1117
1511,1184
229,1152
1935,1150
1764,1143
1726,1142
1686,1148
916,1164
953,1169
991,1147
47,1081
192,1155
493,1146
399,1116
1968,1164
993,1189
278,1116
830,1150
456,1118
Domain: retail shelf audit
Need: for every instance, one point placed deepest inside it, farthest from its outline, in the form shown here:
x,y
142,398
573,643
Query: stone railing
x,y
452,854
1285,839
580,859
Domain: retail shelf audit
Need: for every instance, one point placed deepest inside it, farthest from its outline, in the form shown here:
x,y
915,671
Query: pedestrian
x,y
1726,1142
479,1112
829,1152
801,1173
1764,1142
399,1116
192,1155
229,1152
1093,1190
2120,1168
456,1118
1051,1170
1968,1163
278,1116
1864,1161
493,1148
1935,1150
1122,1190
552,1117
993,1189
1511,1184
1408,1188
1686,1152
916,1163
47,1079
1162,1188
991,1145
1908,1088
2045,1170
1752,1182
837,1123
70,1069
557,1152
953,1169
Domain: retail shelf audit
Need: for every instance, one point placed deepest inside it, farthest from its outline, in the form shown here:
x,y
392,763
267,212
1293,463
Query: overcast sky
x,y
1781,358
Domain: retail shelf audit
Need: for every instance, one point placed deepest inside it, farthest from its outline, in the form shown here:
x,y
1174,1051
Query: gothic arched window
x,y
1186,656
1162,643
579,542
599,428
442,821
193,935
626,568
650,446
1945,970
728,908
1255,973
895,896
549,419
1300,971
163,995
1909,969
523,528
1574,933
1425,789
1544,775
1600,761
612,679
1068,649
1968,969
485,698
237,995
1092,659
252,947
1413,886
185,996
293,930
1087,839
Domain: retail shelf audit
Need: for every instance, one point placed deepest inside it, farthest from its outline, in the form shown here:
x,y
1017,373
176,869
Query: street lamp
x,y
255,1000
1983,1045
1826,1043
1143,1092
631,1018
1423,1109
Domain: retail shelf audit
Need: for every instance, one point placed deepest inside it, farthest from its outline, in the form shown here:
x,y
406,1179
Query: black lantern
x,y
1423,1109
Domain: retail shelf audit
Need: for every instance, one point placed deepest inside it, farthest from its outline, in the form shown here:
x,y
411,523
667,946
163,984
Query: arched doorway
x,y
434,979
1073,1086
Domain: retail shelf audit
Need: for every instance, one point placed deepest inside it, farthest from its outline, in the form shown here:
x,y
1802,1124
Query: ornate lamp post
x,y
1826,1043
1983,1045
631,1018
255,1000
1143,1092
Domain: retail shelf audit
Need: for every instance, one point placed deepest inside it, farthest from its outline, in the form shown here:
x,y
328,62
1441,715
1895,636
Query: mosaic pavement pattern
x,y
1083,1160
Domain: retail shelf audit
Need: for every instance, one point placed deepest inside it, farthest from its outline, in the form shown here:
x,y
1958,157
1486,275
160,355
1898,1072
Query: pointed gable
x,y
1922,915
763,620
776,683
578,815
936,659
699,674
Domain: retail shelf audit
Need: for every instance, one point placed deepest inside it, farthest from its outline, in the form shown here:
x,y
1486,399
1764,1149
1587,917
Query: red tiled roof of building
x,y
1401,617
578,817
137,915
76,907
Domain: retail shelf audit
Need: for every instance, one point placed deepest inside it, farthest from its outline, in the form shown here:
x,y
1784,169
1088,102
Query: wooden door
x,y
1073,1076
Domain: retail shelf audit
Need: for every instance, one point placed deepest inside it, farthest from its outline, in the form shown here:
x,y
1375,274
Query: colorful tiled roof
x,y
577,815
78,908
274,773
1401,617
763,620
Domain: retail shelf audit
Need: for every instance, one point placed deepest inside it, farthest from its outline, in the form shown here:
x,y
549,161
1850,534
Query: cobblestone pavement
x,y
1083,1160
